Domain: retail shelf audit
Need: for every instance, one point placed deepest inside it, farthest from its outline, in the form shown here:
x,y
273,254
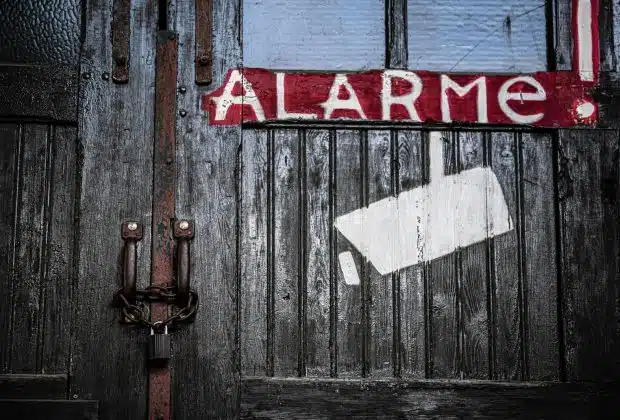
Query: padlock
x,y
159,346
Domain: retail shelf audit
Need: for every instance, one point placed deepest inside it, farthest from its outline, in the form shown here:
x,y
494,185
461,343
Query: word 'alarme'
x,y
551,99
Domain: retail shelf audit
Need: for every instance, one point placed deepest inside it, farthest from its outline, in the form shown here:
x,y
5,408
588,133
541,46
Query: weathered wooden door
x,y
452,264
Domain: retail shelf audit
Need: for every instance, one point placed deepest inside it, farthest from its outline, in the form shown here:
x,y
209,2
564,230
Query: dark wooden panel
x,y
348,198
379,178
473,332
318,256
542,344
205,380
49,410
307,399
396,34
444,346
589,187
31,245
57,293
412,280
33,386
39,92
253,256
10,142
505,285
116,134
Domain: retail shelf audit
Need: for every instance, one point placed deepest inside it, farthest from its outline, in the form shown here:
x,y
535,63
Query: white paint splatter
x,y
585,110
349,270
430,221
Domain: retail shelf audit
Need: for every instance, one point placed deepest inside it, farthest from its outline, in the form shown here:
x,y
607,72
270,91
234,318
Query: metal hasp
x,y
120,41
183,233
131,232
204,42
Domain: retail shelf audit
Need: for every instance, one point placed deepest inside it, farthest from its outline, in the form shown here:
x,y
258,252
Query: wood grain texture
x,y
413,346
318,329
116,135
25,386
590,180
206,377
31,240
541,295
381,307
10,143
350,334
396,34
473,328
445,350
506,250
563,34
307,399
253,255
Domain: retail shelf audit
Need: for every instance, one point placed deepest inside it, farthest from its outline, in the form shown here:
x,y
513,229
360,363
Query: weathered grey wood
x,y
540,275
589,178
606,36
208,167
310,399
253,254
116,135
57,291
318,224
39,92
506,249
412,279
396,34
563,34
444,317
380,309
36,409
473,331
31,240
33,386
349,198
10,141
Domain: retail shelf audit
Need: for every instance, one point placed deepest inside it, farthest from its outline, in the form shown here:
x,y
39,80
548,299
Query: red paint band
x,y
544,99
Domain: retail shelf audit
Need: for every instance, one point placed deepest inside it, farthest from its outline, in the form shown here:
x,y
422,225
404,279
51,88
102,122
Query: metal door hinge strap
x,y
204,41
120,41
131,233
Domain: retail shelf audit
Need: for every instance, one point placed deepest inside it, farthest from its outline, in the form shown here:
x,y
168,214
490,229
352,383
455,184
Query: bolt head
x,y
105,76
184,225
182,113
182,90
132,226
86,75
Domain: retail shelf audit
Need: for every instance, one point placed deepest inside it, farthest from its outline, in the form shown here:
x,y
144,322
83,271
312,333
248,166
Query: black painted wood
x,y
39,92
23,386
206,378
40,409
116,135
268,398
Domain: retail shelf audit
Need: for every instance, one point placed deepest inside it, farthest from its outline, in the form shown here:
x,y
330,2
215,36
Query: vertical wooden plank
x,y
445,351
540,263
10,143
253,256
318,222
562,34
413,317
31,249
590,186
396,34
57,292
286,251
506,247
473,329
116,138
206,384
381,323
349,198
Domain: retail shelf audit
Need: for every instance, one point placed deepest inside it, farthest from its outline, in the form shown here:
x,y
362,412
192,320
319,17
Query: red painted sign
x,y
545,99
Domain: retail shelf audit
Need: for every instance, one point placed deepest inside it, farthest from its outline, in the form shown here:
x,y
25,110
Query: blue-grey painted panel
x,y
477,35
314,34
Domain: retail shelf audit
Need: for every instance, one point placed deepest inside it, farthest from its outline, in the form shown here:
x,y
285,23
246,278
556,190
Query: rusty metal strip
x,y
120,41
164,180
204,42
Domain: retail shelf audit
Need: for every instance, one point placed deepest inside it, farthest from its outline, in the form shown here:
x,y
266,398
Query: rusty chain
x,y
137,313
